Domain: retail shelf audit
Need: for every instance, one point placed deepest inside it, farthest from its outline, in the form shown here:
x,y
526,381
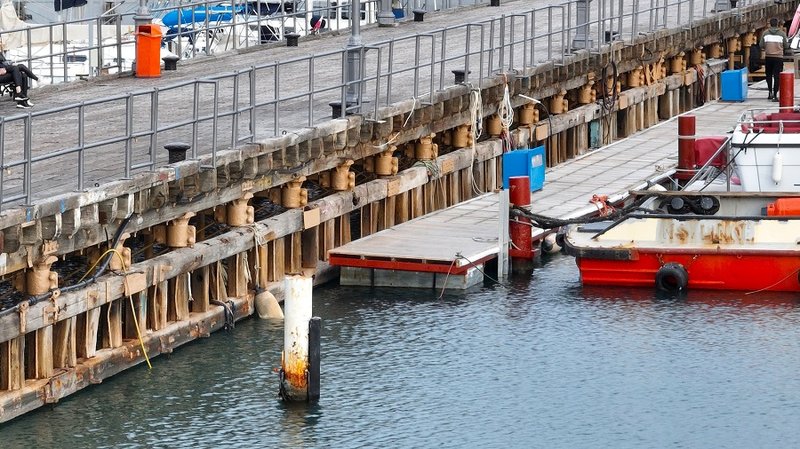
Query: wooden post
x,y
12,364
113,332
417,202
277,261
344,234
201,289
388,211
179,306
237,272
87,330
157,306
39,353
491,175
64,350
401,207
310,251
328,238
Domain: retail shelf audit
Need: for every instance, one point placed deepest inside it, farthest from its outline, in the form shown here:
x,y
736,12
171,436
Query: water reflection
x,y
537,362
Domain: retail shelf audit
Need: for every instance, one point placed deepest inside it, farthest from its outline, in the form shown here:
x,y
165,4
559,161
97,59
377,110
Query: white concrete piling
x,y
294,360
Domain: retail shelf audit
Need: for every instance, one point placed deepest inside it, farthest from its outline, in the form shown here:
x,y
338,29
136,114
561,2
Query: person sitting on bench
x,y
18,74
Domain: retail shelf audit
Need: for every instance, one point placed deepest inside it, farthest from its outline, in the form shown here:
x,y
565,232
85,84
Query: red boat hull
x,y
714,271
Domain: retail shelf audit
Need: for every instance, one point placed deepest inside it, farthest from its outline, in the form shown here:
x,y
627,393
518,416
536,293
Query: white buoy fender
x,y
267,306
777,168
550,245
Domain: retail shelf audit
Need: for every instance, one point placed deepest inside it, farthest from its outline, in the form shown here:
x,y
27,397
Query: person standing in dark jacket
x,y
773,43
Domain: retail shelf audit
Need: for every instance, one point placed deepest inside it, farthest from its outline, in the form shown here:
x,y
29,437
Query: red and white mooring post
x,y
786,91
687,162
519,228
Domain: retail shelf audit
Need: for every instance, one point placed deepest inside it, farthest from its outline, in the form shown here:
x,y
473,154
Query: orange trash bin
x,y
148,51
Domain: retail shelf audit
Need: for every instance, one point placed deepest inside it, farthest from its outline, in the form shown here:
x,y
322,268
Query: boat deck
x,y
453,240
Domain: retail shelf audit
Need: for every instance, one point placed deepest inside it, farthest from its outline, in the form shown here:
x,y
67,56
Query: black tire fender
x,y
672,277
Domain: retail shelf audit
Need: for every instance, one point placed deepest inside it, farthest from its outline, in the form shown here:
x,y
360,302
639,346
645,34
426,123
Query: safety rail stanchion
x,y
27,157
549,32
389,72
235,107
153,126
81,143
64,51
377,82
2,161
214,128
128,134
433,66
311,90
277,81
195,117
252,103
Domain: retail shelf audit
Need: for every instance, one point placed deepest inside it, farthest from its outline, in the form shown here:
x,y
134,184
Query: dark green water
x,y
540,363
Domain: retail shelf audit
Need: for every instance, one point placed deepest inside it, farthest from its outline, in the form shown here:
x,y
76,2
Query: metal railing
x,y
119,136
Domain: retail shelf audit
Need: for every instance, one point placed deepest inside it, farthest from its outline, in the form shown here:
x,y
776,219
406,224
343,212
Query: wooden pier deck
x,y
454,240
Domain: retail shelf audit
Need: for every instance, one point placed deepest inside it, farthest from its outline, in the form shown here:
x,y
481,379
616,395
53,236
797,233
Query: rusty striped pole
x,y
519,228
294,360
686,157
786,91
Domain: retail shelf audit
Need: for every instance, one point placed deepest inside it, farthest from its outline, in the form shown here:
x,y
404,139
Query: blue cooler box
x,y
734,85
525,162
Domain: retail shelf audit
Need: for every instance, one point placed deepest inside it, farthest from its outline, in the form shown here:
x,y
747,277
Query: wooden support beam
x,y
310,240
466,183
344,233
178,305
328,237
64,343
491,175
86,333
157,306
294,253
111,324
402,207
237,276
201,289
12,364
277,260
39,353
390,204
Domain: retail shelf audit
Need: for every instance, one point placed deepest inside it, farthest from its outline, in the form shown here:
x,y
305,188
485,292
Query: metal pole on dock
x,y
786,91
502,242
686,157
385,14
521,251
582,40
354,45
299,370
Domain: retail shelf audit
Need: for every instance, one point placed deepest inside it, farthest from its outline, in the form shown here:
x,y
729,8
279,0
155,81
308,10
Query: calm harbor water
x,y
540,362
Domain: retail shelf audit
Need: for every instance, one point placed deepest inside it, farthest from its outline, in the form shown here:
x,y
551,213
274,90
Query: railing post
x,y
353,56
385,14
253,103
582,40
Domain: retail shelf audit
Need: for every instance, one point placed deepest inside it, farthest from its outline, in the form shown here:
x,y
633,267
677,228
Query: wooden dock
x,y
448,248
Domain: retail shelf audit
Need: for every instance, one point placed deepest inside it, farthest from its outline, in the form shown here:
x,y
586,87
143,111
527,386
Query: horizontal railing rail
x,y
121,135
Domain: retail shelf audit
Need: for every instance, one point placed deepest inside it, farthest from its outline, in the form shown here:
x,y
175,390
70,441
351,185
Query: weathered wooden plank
x,y
201,289
64,343
12,364
310,251
87,330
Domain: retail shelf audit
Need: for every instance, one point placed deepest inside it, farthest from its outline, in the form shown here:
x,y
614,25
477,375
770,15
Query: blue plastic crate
x,y
734,85
525,162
